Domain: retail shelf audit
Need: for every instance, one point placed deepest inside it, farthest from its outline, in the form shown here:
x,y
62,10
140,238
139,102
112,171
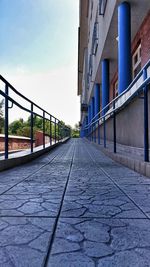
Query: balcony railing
x,y
61,131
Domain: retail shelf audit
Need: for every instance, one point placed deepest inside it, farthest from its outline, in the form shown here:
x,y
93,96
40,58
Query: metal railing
x,y
111,110
61,131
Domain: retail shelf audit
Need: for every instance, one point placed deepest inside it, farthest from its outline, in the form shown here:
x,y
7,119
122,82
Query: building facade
x,y
113,63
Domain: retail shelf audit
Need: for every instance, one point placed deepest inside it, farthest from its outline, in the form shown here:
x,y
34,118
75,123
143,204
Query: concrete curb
x,y
10,163
134,164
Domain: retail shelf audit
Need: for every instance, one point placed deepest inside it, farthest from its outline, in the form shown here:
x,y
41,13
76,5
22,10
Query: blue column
x,y
124,46
92,108
105,83
86,131
89,113
97,99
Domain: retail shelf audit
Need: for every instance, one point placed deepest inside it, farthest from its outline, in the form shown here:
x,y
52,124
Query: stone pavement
x,y
74,207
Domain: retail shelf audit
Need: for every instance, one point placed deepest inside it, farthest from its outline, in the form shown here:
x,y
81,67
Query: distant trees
x,y
23,128
75,131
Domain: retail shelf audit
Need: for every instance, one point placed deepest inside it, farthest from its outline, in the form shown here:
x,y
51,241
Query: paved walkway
x,y
74,207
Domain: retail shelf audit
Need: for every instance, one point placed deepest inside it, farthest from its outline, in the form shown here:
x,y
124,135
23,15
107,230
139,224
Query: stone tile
x,y
24,241
24,188
29,205
109,205
104,242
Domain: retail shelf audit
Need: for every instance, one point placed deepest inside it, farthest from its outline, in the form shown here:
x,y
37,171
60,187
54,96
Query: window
x,y
91,10
102,7
115,91
136,61
88,81
95,39
90,65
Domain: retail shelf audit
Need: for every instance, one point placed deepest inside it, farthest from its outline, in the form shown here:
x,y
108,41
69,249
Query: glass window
x,y
136,61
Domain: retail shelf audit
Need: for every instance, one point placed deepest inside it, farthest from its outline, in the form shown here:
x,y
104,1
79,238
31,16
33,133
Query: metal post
x,y
58,130
43,129
146,141
31,134
114,126
95,132
50,130
55,130
104,125
6,122
99,133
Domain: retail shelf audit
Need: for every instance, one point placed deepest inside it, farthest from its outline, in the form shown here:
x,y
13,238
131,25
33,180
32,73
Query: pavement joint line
x,y
31,174
70,217
108,176
59,212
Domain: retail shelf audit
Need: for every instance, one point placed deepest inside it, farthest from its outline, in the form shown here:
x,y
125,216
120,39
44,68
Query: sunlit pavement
x,y
74,207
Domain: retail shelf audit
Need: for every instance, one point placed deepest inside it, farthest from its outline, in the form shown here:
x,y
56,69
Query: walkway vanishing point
x,y
74,207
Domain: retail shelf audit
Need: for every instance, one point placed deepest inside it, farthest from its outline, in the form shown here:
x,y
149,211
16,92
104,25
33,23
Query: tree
x,y
75,131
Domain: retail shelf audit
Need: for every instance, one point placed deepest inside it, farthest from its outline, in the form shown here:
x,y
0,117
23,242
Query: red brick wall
x,y
143,37
112,84
39,138
14,144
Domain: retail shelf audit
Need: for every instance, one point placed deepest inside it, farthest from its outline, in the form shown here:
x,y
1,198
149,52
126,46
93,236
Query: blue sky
x,y
38,50
39,34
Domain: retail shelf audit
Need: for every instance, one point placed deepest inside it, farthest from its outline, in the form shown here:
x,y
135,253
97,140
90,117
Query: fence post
x,y
146,141
99,133
55,130
50,130
31,134
104,132
6,122
114,126
43,129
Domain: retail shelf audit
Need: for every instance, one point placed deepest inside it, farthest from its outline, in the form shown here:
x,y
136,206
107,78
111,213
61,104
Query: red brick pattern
x,y
143,37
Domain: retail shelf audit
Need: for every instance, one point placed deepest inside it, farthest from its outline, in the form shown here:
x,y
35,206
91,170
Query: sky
x,y
38,54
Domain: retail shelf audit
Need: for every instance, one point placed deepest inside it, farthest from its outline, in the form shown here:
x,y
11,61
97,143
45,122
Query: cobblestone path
x,y
74,207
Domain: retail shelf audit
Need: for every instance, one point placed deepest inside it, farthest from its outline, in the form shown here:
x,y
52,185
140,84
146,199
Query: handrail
x,y
123,93
107,112
59,127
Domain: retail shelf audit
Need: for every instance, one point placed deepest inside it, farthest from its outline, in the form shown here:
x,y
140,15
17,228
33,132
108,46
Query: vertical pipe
x,y
58,130
6,122
55,130
114,126
97,104
146,141
43,129
89,120
124,46
105,84
92,115
50,130
99,132
31,134
104,125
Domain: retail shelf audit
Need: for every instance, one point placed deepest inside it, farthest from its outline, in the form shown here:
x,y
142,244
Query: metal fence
x,y
111,110
61,131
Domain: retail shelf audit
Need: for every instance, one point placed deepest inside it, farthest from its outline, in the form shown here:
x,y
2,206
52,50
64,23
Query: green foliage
x,y
75,131
23,128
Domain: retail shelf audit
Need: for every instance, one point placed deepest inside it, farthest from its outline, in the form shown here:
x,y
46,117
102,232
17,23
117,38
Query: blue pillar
x,y
105,84
89,113
92,108
124,46
97,99
92,115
